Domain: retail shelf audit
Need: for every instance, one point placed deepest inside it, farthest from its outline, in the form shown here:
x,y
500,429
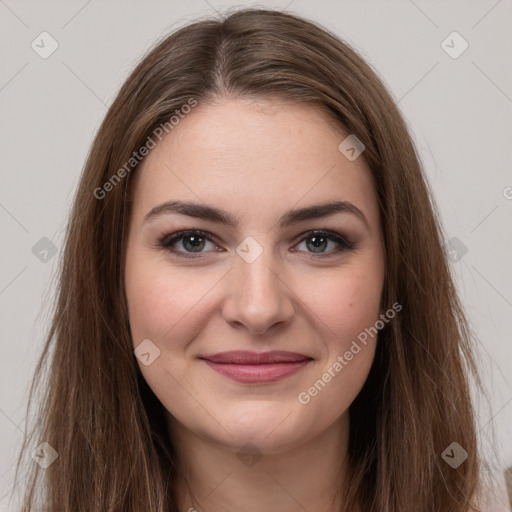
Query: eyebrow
x,y
291,217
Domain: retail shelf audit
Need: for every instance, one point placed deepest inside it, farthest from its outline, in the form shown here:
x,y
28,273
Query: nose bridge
x,y
259,278
256,296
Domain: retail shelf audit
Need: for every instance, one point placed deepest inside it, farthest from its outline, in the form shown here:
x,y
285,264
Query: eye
x,y
194,241
317,241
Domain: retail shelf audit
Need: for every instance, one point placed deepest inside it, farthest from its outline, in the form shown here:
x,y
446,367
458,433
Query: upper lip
x,y
247,357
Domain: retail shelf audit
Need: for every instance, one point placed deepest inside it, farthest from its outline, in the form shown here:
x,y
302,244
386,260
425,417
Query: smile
x,y
253,368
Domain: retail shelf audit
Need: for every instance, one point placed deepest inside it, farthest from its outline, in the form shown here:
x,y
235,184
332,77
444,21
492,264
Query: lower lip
x,y
257,373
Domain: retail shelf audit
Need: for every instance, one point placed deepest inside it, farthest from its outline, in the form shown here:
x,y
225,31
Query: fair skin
x,y
256,160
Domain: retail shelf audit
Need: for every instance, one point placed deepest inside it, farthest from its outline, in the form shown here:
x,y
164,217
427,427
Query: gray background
x,y
459,111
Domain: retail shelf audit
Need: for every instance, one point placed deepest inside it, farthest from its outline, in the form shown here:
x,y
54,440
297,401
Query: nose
x,y
256,296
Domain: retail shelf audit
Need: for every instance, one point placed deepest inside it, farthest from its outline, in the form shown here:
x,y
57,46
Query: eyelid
x,y
177,235
166,240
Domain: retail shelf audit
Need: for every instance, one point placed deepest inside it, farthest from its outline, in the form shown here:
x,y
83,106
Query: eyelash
x,y
167,240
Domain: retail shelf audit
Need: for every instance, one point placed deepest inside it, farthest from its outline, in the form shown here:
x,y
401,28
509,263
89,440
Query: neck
x,y
218,478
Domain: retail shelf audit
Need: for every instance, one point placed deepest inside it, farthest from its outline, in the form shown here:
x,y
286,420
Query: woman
x,y
255,310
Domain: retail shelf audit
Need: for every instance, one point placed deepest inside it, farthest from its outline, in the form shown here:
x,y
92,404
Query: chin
x,y
272,428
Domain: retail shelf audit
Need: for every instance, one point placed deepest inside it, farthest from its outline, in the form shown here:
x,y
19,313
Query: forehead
x,y
252,156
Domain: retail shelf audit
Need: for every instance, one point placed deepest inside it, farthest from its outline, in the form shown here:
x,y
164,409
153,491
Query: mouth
x,y
253,367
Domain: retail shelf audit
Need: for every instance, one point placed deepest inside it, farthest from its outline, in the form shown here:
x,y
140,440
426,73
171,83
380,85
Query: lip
x,y
256,367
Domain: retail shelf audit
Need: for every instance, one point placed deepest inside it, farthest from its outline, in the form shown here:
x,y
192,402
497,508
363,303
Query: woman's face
x,y
260,283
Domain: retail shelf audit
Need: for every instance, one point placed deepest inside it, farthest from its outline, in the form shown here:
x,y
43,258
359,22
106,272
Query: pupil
x,y
317,241
197,242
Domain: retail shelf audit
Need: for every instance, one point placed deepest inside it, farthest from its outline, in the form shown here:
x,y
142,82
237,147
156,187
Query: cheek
x,y
161,300
165,307
348,307
345,302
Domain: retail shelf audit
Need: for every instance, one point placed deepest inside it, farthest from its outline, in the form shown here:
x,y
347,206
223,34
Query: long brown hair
x,y
97,411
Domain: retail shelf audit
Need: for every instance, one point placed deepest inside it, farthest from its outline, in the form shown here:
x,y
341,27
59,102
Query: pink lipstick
x,y
256,367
